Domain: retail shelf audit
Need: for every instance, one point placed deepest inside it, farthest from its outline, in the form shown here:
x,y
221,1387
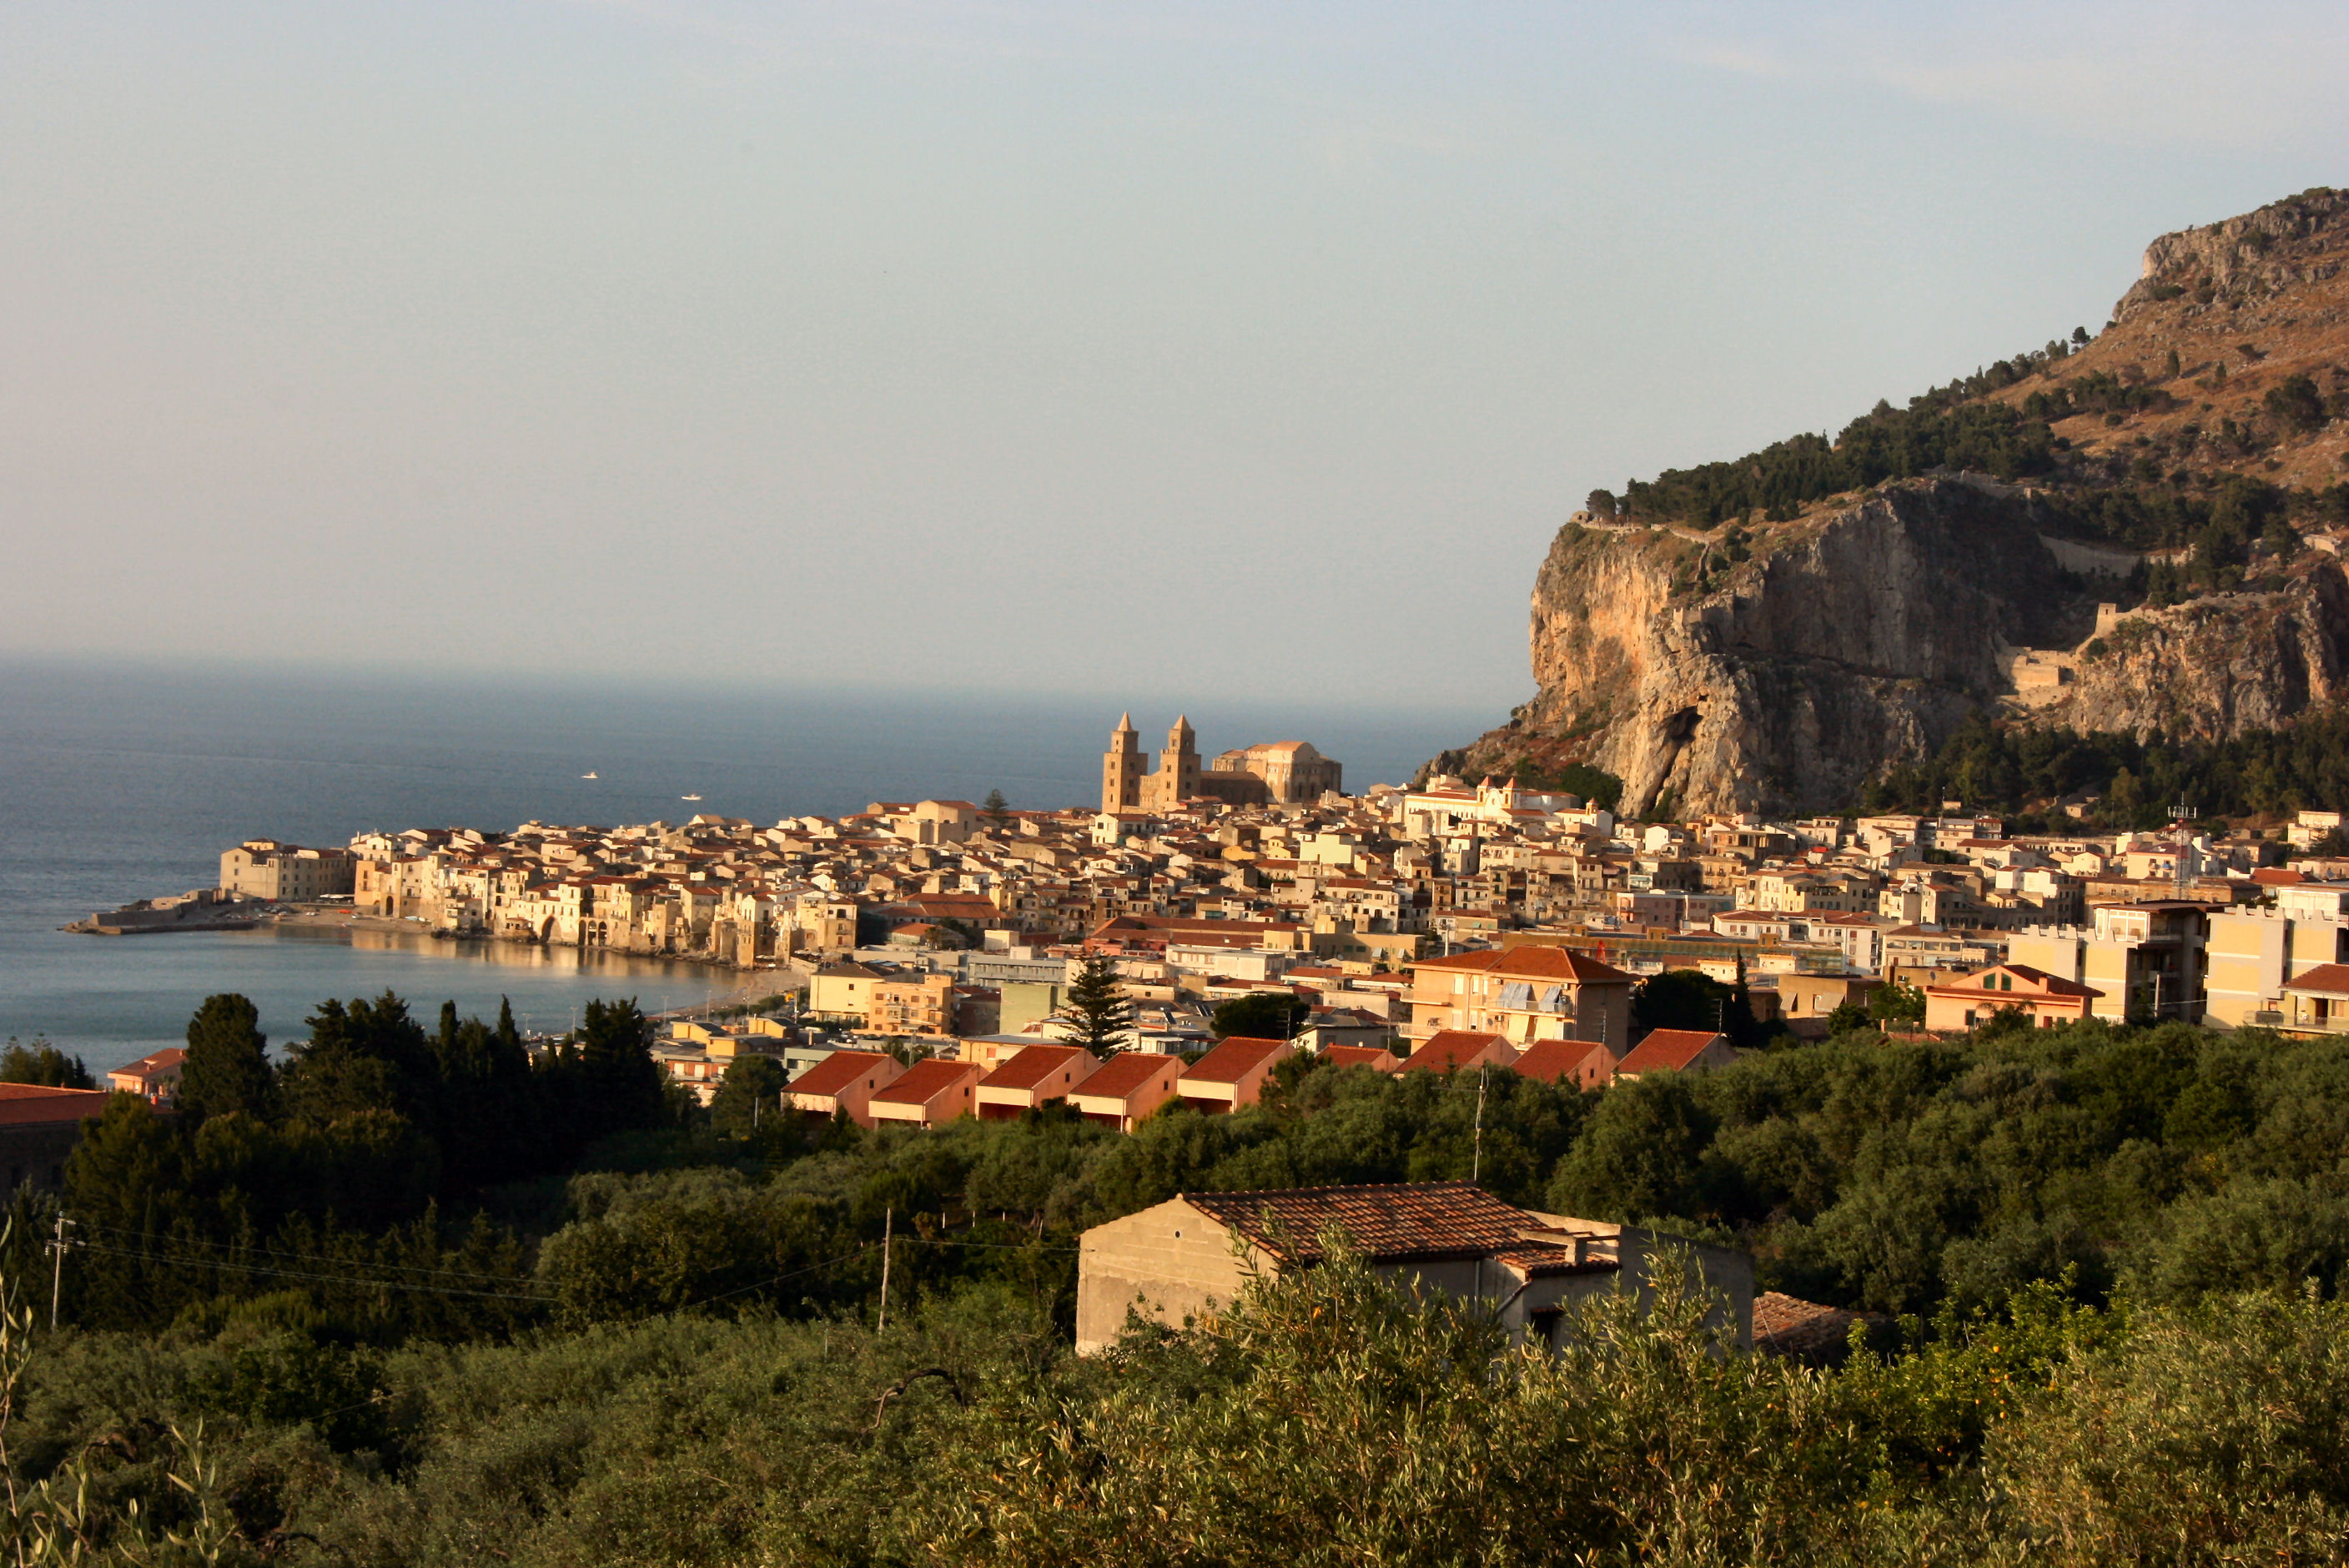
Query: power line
x,y
298,1257
293,1274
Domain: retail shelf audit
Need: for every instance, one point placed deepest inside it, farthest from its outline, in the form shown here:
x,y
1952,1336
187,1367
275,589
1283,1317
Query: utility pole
x,y
1476,1161
888,1225
58,1269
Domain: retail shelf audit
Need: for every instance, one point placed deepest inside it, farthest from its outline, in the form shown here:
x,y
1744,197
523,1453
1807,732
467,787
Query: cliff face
x,y
1864,638
1865,627
1872,634
2217,665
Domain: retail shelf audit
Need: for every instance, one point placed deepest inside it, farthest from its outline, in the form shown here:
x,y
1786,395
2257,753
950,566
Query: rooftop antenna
x,y
2180,816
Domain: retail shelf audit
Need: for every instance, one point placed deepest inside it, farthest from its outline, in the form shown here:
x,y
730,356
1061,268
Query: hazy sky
x,y
1175,349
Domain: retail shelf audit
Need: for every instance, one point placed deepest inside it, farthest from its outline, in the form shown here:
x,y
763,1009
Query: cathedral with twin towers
x,y
1282,771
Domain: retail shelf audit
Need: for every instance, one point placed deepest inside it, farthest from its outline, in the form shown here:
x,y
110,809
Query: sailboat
x,y
590,774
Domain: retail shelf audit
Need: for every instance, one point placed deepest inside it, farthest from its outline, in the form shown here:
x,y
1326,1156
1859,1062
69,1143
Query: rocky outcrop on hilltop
x,y
1869,635
2216,267
1866,637
2214,666
2197,446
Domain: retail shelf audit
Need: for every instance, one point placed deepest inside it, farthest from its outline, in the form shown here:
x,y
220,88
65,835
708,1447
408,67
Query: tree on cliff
x,y
1600,504
227,1067
1097,1015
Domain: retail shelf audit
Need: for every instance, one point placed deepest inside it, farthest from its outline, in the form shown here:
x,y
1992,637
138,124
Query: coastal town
x,y
1452,923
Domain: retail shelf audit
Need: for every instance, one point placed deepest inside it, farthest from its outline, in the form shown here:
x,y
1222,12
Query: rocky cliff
x,y
1713,668
1865,637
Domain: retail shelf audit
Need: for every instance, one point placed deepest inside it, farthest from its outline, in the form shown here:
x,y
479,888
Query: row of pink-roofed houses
x,y
873,1089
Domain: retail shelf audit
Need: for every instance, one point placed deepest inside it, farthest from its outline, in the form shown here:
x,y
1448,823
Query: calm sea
x,y
122,782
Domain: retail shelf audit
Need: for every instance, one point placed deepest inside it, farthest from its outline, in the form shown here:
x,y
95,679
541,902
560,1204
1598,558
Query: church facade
x,y
1282,771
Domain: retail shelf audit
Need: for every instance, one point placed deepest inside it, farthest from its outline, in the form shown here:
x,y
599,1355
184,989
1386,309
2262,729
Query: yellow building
x,y
2254,953
1523,994
2144,960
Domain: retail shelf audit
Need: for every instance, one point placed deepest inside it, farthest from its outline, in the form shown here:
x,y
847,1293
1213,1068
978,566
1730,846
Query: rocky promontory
x,y
2162,556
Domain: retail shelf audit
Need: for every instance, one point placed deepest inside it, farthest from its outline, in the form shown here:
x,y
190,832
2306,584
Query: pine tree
x,y
996,808
1097,1014
227,1066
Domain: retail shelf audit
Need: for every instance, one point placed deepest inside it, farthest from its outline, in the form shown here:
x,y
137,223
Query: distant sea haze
x,y
121,782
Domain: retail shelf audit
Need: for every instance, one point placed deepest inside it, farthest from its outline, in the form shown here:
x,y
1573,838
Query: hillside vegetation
x,y
2085,1238
2218,397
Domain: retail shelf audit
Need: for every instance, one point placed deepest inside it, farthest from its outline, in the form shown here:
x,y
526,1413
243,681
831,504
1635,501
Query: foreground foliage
x,y
1328,1419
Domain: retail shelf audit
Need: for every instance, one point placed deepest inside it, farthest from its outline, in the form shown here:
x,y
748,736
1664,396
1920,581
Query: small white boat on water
x,y
688,797
587,775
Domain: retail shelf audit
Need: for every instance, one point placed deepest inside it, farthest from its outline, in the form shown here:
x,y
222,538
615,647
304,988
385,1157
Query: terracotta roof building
x,y
38,1128
1578,1062
1231,1073
1126,1088
844,1081
2045,1000
1453,1050
154,1078
1526,993
928,1094
1192,1255
1677,1051
1038,1074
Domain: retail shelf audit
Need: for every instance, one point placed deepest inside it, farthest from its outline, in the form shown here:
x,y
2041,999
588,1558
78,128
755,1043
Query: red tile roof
x,y
22,1103
1448,1049
2332,979
1546,1061
1125,1075
158,1061
1032,1065
1789,1326
2047,985
1531,962
923,1081
1426,1220
1233,1059
836,1072
1377,1057
1671,1048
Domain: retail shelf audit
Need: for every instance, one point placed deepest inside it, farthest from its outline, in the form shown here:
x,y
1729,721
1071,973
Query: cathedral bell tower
x,y
1121,768
1177,778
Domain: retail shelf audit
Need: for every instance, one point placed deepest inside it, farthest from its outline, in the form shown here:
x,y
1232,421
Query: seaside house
x,y
1033,1078
154,1078
845,1083
1125,1089
928,1094
1526,993
1232,1075
38,1128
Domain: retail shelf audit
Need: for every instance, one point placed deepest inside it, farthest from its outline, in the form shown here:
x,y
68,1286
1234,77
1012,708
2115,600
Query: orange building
x,y
2045,1000
928,1094
1232,1075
